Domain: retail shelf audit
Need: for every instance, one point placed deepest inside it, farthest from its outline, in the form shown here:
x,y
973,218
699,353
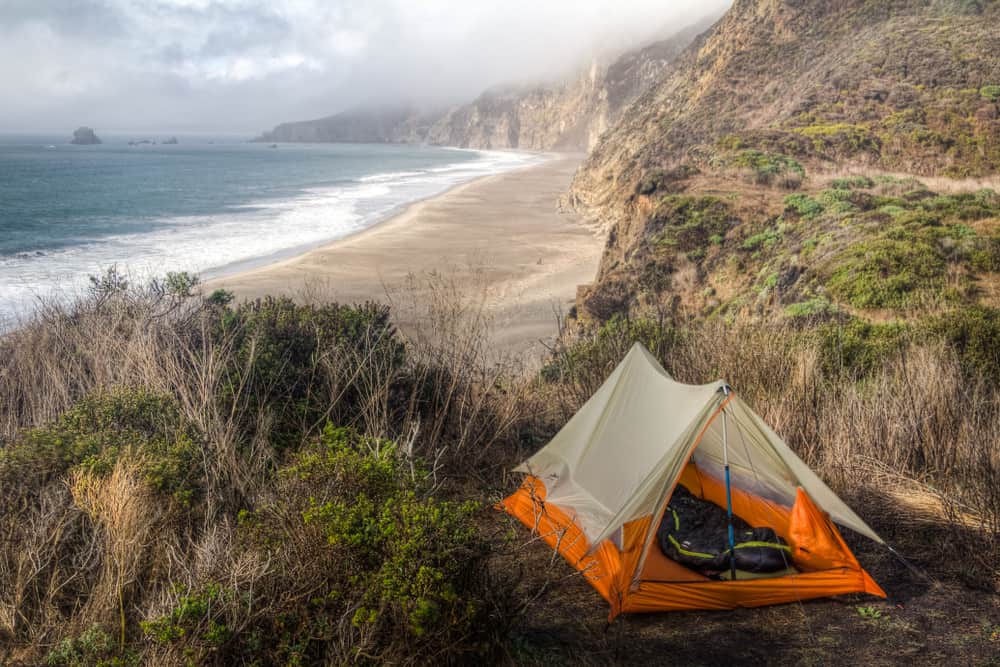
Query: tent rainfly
x,y
596,492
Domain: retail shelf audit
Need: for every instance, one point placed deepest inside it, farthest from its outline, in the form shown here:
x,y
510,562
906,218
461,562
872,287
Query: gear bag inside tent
x,y
602,493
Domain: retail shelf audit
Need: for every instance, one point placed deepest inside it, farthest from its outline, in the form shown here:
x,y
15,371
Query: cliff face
x,y
357,126
568,116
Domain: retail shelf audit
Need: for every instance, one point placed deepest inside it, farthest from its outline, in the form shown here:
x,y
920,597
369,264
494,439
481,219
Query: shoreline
x,y
499,239
252,264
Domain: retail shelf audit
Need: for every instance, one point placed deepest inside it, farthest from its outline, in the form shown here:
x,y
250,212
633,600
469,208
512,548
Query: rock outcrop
x,y
84,136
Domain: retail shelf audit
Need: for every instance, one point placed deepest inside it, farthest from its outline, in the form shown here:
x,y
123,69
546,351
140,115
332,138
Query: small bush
x,y
374,564
974,332
103,427
858,347
690,223
770,168
588,361
804,205
285,354
93,648
765,239
815,307
991,93
192,621
220,297
852,183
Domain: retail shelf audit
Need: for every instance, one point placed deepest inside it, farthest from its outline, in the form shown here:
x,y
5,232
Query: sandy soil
x,y
502,234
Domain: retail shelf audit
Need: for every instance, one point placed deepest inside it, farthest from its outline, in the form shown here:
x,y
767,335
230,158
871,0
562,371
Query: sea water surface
x,y
207,205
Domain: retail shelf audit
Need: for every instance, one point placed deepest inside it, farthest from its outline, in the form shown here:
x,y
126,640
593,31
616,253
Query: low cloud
x,y
245,65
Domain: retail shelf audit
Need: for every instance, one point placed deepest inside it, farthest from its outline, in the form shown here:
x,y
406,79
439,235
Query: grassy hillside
x,y
810,160
901,85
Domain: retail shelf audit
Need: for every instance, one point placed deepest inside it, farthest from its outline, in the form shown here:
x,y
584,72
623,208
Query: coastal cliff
x,y
565,116
760,175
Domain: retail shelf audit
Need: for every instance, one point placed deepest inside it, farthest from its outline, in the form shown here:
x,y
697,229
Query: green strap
x,y
767,545
685,552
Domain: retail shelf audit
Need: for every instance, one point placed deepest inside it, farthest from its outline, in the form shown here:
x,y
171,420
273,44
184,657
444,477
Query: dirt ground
x,y
930,618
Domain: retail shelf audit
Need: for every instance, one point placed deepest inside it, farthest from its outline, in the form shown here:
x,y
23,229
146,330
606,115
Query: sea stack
x,y
84,136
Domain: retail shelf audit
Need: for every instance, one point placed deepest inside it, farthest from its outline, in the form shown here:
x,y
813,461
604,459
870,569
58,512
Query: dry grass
x,y
939,184
914,444
126,524
92,548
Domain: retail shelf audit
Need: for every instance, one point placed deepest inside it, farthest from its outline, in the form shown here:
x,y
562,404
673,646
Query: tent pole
x,y
729,490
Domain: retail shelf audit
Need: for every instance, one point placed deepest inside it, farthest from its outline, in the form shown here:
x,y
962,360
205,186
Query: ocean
x,y
206,205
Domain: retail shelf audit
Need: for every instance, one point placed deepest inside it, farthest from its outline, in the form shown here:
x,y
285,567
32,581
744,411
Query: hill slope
x,y
781,95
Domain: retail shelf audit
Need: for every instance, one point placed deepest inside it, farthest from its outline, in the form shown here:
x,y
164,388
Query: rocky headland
x,y
84,136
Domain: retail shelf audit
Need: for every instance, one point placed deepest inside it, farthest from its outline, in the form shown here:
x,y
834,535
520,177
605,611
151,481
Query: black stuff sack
x,y
695,533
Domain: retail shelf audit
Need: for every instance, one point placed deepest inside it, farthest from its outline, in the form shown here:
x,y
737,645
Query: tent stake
x,y
729,490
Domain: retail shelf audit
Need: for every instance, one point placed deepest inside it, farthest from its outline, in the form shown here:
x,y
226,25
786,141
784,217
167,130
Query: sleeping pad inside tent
x,y
594,491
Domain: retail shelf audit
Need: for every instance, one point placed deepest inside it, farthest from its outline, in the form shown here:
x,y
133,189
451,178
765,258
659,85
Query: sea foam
x,y
251,233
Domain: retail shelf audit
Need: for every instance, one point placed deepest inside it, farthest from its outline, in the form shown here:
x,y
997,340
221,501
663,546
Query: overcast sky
x,y
246,65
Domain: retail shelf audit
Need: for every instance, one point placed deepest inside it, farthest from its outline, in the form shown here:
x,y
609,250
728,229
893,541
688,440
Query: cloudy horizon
x,y
247,65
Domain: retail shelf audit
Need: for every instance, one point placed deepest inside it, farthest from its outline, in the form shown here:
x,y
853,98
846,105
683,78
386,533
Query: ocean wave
x,y
390,176
254,231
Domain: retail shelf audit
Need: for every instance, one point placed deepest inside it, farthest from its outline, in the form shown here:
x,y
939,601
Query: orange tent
x,y
592,494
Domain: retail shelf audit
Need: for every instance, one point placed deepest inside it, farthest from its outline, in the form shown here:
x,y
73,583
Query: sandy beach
x,y
501,235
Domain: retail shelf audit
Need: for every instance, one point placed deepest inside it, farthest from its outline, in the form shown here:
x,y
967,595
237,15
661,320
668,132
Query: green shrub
x,y
852,183
815,307
220,297
765,239
974,332
92,648
282,351
355,534
837,201
886,273
839,138
769,168
180,284
688,224
991,93
807,207
892,211
193,620
101,428
857,347
966,206
593,357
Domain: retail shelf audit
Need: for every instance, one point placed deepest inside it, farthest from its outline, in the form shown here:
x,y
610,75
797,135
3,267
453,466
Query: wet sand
x,y
501,236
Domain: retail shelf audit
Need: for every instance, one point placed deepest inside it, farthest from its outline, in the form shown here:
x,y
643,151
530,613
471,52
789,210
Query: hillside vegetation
x,y
804,203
